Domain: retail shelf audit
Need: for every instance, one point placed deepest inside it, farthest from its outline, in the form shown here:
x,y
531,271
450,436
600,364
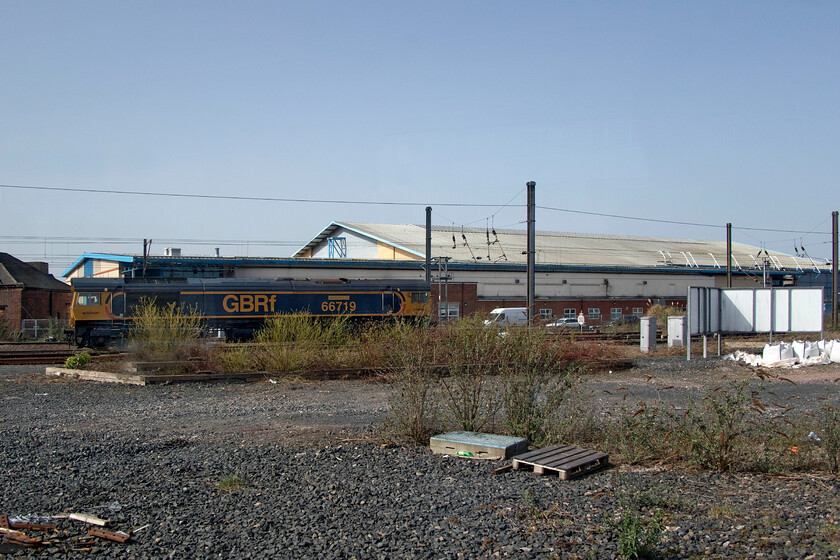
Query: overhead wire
x,y
391,203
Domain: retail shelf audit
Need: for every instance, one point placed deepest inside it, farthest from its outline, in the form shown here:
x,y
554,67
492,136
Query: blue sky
x,y
691,112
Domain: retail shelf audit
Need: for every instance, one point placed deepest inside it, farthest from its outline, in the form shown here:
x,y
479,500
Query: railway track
x,y
25,353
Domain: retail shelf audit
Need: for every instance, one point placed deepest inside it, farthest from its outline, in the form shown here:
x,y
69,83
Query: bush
x,y
471,351
297,341
78,361
639,434
718,429
235,360
166,332
412,375
533,383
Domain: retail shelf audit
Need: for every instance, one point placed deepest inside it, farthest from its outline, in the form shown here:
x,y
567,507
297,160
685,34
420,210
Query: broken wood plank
x,y
18,537
116,536
85,518
31,526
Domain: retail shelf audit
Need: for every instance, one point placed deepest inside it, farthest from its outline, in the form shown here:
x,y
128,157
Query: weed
x,y
55,330
722,511
297,341
413,400
5,329
830,531
472,354
77,361
830,435
165,332
718,428
235,360
532,383
639,529
575,420
299,327
231,483
639,434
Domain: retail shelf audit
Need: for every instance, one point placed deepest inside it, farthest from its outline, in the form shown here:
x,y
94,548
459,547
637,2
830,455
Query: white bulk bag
x,y
772,353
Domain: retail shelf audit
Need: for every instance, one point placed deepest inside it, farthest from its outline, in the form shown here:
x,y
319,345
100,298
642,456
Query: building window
x,y
638,311
594,313
546,314
569,313
615,313
449,311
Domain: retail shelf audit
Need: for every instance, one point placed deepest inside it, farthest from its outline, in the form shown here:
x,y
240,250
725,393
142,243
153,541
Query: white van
x,y
508,316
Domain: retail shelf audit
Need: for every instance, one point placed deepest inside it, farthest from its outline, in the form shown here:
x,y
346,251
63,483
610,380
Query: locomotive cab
x,y
92,315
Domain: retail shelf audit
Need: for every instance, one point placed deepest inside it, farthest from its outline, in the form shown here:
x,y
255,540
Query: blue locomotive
x,y
102,309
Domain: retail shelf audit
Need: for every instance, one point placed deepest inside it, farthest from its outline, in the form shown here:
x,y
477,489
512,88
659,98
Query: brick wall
x,y
33,304
465,296
11,298
40,304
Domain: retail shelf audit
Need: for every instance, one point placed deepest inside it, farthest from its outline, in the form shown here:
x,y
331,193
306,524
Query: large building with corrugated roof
x,y
607,277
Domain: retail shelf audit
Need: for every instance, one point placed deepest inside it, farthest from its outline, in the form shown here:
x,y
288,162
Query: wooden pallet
x,y
566,461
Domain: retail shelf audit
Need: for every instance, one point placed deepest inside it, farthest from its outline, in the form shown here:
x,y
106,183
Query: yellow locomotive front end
x,y
92,317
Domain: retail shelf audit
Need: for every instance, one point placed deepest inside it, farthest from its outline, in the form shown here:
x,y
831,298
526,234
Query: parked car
x,y
565,322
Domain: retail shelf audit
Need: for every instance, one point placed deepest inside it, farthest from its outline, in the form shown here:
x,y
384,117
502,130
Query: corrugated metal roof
x,y
563,248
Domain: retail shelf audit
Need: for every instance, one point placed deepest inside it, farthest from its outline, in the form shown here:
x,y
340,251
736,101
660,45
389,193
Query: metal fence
x,y
41,328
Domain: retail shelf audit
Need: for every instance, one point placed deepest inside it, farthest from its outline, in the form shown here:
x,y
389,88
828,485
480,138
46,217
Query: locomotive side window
x,y
87,298
419,297
137,299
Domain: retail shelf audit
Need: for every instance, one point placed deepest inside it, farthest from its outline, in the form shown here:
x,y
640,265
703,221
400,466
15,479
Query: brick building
x,y
28,291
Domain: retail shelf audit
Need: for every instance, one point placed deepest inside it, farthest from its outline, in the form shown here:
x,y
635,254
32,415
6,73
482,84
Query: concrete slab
x,y
477,445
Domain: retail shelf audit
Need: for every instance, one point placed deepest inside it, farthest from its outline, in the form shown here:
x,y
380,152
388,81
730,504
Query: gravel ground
x,y
318,483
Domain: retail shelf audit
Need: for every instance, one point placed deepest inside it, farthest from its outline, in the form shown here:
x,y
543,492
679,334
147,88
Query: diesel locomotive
x,y
102,309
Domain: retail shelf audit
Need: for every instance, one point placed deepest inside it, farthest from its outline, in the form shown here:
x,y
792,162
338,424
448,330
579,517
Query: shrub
x,y
413,402
718,428
471,351
235,360
639,434
533,384
77,361
166,332
296,341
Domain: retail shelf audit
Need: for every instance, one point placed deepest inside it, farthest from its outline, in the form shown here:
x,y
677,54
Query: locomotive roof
x,y
246,283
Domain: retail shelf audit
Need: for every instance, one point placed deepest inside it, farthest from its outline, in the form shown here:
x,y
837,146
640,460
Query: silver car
x,y
566,322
